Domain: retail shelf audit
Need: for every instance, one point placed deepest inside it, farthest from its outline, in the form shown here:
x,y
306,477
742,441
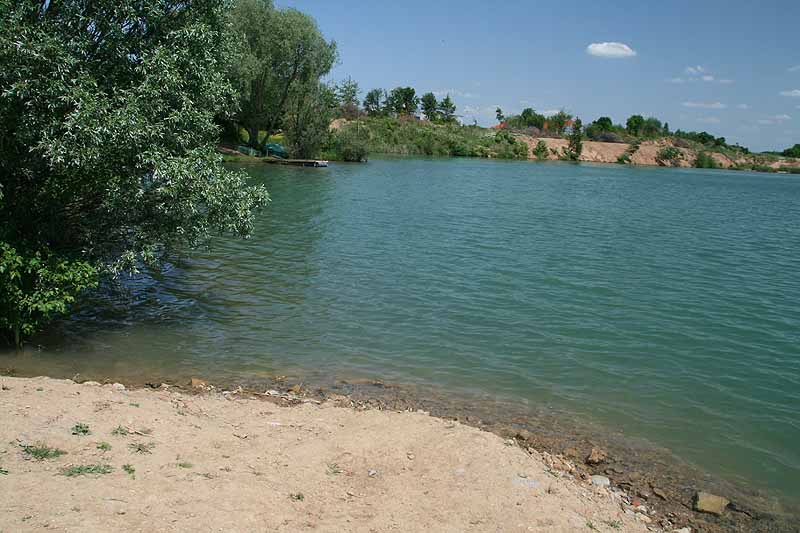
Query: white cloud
x,y
610,50
699,73
795,93
707,77
775,119
742,106
795,68
695,71
705,105
677,80
708,120
453,92
550,112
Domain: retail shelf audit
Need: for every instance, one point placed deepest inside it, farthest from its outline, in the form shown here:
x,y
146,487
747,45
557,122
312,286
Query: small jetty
x,y
297,162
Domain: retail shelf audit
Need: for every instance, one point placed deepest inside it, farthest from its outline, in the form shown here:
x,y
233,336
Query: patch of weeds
x,y
207,475
333,469
184,464
298,496
39,389
84,470
133,404
590,525
130,470
614,524
103,446
42,451
140,447
120,431
80,429
3,471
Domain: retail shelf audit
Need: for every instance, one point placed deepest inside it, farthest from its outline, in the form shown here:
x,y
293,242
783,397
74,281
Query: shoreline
x,y
638,475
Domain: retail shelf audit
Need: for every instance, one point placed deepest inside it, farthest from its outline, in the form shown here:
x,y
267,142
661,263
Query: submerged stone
x,y
706,502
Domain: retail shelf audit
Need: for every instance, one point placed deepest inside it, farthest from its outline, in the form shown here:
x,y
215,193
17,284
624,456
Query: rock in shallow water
x,y
596,456
706,502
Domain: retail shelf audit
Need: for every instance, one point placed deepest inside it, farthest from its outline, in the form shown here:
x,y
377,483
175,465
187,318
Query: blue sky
x,y
723,67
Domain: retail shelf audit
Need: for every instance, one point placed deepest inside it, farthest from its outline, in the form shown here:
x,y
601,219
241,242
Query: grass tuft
x,y
120,431
3,471
140,447
298,497
80,429
84,470
185,464
42,451
130,470
103,446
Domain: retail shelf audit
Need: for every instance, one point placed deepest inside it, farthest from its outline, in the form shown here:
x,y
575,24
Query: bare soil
x,y
223,462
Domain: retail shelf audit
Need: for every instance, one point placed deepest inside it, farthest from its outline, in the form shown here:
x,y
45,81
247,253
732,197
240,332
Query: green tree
x,y
634,124
575,146
652,127
278,49
558,122
529,119
403,101
107,134
499,114
347,93
447,108
794,151
604,124
374,102
308,119
430,106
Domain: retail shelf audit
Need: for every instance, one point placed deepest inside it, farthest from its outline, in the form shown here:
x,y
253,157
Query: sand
x,y
222,462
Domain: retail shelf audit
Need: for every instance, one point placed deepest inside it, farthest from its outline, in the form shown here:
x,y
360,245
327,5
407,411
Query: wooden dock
x,y
297,162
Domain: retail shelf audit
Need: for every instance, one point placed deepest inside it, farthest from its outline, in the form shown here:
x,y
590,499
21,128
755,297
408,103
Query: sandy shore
x,y
223,462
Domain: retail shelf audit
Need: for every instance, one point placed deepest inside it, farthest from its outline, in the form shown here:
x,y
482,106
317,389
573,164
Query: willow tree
x,y
280,52
107,140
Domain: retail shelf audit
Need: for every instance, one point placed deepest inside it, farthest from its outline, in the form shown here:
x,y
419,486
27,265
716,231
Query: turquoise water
x,y
661,302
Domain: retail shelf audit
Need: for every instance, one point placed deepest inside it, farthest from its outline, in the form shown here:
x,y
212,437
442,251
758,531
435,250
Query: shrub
x,y
541,151
350,145
609,137
704,160
669,156
36,286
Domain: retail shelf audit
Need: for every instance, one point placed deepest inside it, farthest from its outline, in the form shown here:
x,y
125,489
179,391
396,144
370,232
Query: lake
x,y
664,303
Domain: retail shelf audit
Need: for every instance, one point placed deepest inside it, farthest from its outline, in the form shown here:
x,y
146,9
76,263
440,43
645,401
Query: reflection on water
x,y
662,303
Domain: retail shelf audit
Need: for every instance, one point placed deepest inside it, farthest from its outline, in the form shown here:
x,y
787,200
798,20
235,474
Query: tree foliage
x,y
634,124
374,102
575,147
430,106
278,50
107,132
447,109
403,101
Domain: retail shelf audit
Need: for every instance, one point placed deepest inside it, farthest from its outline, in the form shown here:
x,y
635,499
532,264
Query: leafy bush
x,y
349,144
704,160
541,151
794,151
36,286
669,155
609,137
